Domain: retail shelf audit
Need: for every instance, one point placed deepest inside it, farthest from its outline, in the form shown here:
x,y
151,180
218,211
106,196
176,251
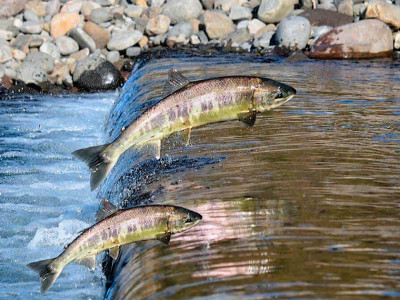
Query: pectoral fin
x,y
248,118
88,261
164,238
106,209
114,252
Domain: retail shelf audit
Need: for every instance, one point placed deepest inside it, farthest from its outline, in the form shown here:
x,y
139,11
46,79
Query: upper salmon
x,y
186,105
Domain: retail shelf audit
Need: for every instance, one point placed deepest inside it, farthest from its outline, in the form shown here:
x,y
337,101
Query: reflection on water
x,y
306,204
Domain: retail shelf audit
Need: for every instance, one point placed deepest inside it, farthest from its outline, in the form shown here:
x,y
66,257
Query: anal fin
x,y
164,238
152,148
248,118
88,261
114,252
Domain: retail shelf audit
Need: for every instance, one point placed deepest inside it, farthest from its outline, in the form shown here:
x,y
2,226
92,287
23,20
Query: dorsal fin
x,y
175,82
106,209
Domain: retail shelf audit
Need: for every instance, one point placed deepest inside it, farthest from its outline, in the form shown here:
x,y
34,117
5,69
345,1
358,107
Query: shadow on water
x,y
303,205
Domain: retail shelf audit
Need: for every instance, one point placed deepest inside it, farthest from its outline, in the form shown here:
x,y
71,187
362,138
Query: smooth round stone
x,y
43,60
134,11
273,11
133,51
100,15
240,13
31,27
10,8
30,16
83,39
182,10
6,35
293,32
52,7
158,25
184,28
5,54
51,49
31,73
113,56
18,54
103,77
66,45
124,39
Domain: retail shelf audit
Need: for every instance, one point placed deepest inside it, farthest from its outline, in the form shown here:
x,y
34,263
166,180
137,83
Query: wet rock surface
x,y
104,77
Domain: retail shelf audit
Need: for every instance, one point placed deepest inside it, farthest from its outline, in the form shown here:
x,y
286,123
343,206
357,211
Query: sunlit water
x,y
306,204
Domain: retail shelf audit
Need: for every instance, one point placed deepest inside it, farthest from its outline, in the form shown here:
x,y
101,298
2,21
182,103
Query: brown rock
x,y
6,82
384,11
60,74
64,22
319,17
22,42
158,25
217,24
364,39
195,23
80,54
10,8
144,41
141,3
38,7
100,36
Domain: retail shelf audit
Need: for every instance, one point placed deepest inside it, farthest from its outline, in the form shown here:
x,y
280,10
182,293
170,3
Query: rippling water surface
x,y
306,204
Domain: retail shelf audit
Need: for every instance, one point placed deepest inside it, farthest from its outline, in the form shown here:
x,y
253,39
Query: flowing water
x,y
306,204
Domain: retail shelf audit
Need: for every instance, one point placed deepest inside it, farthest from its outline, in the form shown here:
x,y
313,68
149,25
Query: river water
x,y
306,204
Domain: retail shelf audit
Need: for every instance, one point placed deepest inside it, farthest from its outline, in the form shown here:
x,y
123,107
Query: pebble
x,y
18,54
60,74
31,27
66,45
157,3
113,56
10,8
5,54
240,36
265,40
217,24
51,49
37,6
99,35
83,39
45,61
124,39
134,11
52,7
397,40
182,10
31,16
184,28
6,35
31,73
89,63
100,15
104,77
82,54
194,39
72,6
293,32
255,26
346,7
273,11
88,7
158,25
240,13
64,22
133,51
22,42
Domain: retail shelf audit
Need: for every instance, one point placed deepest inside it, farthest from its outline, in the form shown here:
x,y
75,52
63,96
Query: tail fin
x,y
46,273
99,163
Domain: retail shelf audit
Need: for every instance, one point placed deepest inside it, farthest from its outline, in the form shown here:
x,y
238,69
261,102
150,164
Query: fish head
x,y
183,219
269,94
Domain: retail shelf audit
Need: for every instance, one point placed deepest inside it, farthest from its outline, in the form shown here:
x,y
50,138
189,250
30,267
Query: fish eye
x,y
279,95
188,220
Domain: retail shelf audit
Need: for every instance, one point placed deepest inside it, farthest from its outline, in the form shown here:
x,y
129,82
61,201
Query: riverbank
x,y
52,47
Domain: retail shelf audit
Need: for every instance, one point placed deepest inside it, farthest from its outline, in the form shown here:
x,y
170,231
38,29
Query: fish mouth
x,y
279,102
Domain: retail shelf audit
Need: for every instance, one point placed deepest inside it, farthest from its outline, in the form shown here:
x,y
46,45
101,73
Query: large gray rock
x,y
124,39
183,28
10,8
182,10
240,13
66,45
31,73
240,36
273,11
158,25
134,11
5,54
51,49
31,16
100,15
293,32
43,60
83,39
364,39
52,7
89,63
31,27
217,24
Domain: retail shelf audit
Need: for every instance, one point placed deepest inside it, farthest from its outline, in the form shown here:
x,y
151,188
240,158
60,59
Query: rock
x,y
82,54
208,4
240,36
346,7
184,28
31,16
217,24
319,17
158,25
396,39
133,51
240,13
22,42
195,24
304,4
326,5
43,60
100,36
89,63
52,7
225,5
143,41
364,39
255,27
203,37
265,40
113,56
293,32
194,39
140,24
151,12
37,6
182,10
66,45
124,39
134,11
88,7
10,8
50,49
246,46
273,11
104,77
384,11
317,31
31,27
142,3
64,22
83,39
4,24
31,73
100,15
72,6
60,74
36,42
5,54
6,35
157,3
359,9
243,24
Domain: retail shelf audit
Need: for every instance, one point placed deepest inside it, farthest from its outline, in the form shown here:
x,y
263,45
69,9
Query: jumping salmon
x,y
115,228
185,105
